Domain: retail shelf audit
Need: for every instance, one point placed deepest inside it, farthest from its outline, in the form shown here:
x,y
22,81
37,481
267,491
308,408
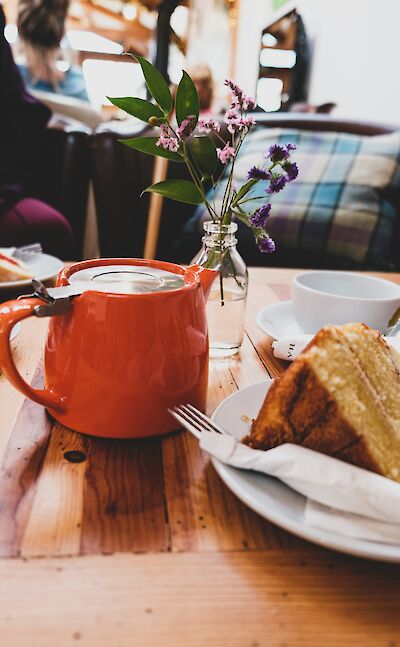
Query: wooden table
x,y
142,544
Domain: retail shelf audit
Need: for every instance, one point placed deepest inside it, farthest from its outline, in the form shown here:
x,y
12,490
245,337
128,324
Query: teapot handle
x,y
10,313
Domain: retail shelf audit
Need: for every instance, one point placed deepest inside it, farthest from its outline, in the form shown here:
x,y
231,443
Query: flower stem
x,y
221,281
198,184
256,197
226,214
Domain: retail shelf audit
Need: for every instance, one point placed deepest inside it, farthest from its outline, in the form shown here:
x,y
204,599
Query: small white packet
x,y
289,348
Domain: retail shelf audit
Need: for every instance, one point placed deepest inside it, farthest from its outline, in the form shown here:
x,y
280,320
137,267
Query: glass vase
x,y
226,304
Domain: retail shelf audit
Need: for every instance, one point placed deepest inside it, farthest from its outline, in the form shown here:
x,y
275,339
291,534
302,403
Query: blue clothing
x,y
73,84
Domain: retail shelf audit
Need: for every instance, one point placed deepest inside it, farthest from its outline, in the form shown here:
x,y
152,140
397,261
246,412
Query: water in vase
x,y
226,322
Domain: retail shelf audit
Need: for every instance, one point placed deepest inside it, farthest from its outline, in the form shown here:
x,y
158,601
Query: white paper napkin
x,y
338,487
289,348
350,525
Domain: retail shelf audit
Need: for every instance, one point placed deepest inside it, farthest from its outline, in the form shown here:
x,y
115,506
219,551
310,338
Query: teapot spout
x,y
206,277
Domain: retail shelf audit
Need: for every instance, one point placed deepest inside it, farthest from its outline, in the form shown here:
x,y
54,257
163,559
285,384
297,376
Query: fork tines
x,y
194,420
26,251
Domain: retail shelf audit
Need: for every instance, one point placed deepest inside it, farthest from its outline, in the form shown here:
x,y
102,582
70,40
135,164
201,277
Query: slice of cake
x,y
341,396
12,269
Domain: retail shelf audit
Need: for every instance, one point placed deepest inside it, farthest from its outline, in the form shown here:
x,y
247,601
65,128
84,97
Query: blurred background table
x,y
140,543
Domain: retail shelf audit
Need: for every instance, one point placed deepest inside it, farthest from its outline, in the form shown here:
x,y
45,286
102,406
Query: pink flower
x,y
186,128
240,100
237,93
248,103
226,153
207,125
231,113
166,141
248,122
236,122
232,118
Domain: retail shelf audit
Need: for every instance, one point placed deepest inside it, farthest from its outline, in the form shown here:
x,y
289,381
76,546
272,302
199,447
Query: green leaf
x,y
204,154
158,87
187,99
148,145
137,107
242,216
243,191
179,190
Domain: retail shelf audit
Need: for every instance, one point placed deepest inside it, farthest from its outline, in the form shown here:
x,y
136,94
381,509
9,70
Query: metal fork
x,y
25,252
194,420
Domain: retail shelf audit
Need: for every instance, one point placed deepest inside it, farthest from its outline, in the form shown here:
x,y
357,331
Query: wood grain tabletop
x,y
128,543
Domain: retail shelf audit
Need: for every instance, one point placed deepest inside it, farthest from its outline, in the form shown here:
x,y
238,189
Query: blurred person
x,y
203,79
47,67
23,120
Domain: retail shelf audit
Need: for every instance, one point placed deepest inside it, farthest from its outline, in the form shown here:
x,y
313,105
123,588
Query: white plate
x,y
277,320
271,498
43,268
15,331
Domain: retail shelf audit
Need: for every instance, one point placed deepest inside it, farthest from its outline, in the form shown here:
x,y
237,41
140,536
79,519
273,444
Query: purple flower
x,y
186,128
292,171
166,141
207,125
277,153
226,153
260,216
277,183
257,173
266,244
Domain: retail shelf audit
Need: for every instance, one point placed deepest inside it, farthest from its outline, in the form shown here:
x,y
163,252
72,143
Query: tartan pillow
x,y
343,203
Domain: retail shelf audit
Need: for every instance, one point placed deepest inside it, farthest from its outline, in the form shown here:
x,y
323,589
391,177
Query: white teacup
x,y
324,297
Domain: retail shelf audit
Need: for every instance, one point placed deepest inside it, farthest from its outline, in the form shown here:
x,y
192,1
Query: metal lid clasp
x,y
56,301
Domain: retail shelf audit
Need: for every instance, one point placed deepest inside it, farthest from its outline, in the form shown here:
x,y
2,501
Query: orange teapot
x,y
127,341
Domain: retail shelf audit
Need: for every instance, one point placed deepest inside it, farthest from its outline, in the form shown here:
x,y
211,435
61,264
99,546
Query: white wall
x,y
356,53
253,17
356,56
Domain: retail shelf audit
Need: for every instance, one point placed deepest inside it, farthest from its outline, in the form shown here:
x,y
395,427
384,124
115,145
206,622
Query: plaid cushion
x,y
342,205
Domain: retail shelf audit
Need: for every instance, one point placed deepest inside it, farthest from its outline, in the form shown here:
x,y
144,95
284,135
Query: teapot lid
x,y
127,279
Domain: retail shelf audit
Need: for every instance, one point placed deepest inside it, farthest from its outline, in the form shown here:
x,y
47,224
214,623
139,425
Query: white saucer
x,y
277,320
43,268
271,498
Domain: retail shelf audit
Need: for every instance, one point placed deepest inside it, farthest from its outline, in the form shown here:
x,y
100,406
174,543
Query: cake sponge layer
x,y
340,397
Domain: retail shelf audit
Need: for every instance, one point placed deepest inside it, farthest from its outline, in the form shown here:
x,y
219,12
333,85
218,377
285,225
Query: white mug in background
x,y
324,297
